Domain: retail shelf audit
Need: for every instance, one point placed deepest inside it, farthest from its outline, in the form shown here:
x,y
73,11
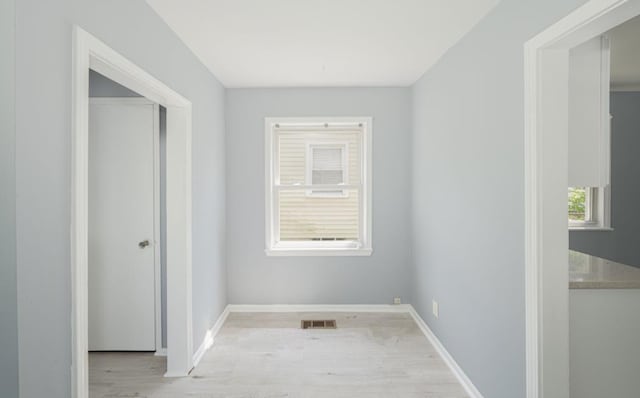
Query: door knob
x,y
143,244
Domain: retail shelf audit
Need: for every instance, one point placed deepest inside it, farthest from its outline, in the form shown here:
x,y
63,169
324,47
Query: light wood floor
x,y
267,355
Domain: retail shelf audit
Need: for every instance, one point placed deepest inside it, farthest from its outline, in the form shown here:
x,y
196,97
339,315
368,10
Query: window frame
x,y
275,247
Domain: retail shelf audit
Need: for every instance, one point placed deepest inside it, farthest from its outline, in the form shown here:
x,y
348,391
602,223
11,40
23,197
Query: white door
x,y
122,202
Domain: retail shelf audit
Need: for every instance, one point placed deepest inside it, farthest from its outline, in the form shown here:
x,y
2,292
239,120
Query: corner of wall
x,y
8,260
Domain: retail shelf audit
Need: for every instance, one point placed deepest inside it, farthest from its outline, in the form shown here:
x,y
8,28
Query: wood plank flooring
x,y
267,355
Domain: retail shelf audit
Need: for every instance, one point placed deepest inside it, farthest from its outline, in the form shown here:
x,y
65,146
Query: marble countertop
x,y
590,272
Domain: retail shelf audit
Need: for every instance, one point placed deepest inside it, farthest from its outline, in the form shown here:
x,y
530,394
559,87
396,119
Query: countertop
x,y
590,272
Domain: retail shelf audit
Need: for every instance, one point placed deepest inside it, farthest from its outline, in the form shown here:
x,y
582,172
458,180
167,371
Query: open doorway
x,y
604,184
547,172
90,54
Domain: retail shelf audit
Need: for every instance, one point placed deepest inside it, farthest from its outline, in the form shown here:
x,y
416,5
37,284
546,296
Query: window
x,y
318,191
588,208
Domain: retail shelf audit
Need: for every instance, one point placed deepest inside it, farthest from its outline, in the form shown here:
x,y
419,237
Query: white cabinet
x,y
604,350
589,118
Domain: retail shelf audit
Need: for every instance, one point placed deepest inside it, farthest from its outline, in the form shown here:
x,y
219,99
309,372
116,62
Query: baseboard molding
x,y
448,359
161,352
319,308
207,342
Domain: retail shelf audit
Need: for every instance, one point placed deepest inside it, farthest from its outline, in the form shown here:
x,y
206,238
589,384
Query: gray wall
x,y
101,86
621,244
8,297
43,117
255,278
468,195
163,221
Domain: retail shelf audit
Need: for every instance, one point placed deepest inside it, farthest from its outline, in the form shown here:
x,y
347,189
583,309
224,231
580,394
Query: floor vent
x,y
323,324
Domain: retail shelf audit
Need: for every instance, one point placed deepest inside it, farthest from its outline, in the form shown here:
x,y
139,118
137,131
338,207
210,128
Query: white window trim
x,y
344,146
273,247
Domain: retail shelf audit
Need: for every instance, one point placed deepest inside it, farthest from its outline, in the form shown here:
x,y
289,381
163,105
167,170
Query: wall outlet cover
x,y
435,308
397,300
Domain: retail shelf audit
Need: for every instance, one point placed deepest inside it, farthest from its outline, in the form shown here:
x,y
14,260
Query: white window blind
x,y
589,119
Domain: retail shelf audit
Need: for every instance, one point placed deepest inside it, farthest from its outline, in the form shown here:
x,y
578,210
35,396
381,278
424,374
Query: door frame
x,y
546,76
157,253
91,53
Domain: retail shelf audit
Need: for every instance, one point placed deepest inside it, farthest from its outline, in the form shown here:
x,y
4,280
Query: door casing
x,y
91,53
546,82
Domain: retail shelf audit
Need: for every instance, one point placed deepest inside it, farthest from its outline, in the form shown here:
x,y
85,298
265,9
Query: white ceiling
x,y
625,54
284,43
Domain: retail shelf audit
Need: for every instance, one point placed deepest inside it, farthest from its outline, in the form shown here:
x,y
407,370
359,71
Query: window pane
x,y
327,177
327,158
577,204
292,154
309,218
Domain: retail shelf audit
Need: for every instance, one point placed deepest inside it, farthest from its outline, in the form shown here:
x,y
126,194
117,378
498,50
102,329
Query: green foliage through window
x,y
577,204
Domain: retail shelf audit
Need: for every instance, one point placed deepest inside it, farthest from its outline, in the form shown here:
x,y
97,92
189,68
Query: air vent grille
x,y
318,324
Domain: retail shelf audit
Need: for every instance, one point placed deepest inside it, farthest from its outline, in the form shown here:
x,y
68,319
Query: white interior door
x,y
122,202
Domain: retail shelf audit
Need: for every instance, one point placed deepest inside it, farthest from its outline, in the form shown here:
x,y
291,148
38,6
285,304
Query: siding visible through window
x,y
328,167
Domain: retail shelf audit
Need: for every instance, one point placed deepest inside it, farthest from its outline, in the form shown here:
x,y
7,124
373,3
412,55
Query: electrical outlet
x,y
397,300
435,308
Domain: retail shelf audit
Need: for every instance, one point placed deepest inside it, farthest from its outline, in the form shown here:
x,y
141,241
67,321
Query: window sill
x,y
587,228
288,252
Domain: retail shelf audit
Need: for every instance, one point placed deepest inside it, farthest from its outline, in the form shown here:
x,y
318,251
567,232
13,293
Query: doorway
x,y
546,181
91,53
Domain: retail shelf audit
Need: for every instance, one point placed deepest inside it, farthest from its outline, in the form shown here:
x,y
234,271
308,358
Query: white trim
x,y
604,206
319,308
337,122
207,342
210,336
448,359
546,244
157,252
89,52
318,248
601,229
162,352
291,252
316,187
280,124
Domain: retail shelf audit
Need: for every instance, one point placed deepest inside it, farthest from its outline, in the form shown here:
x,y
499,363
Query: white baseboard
x,y
319,308
207,342
448,359
161,352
